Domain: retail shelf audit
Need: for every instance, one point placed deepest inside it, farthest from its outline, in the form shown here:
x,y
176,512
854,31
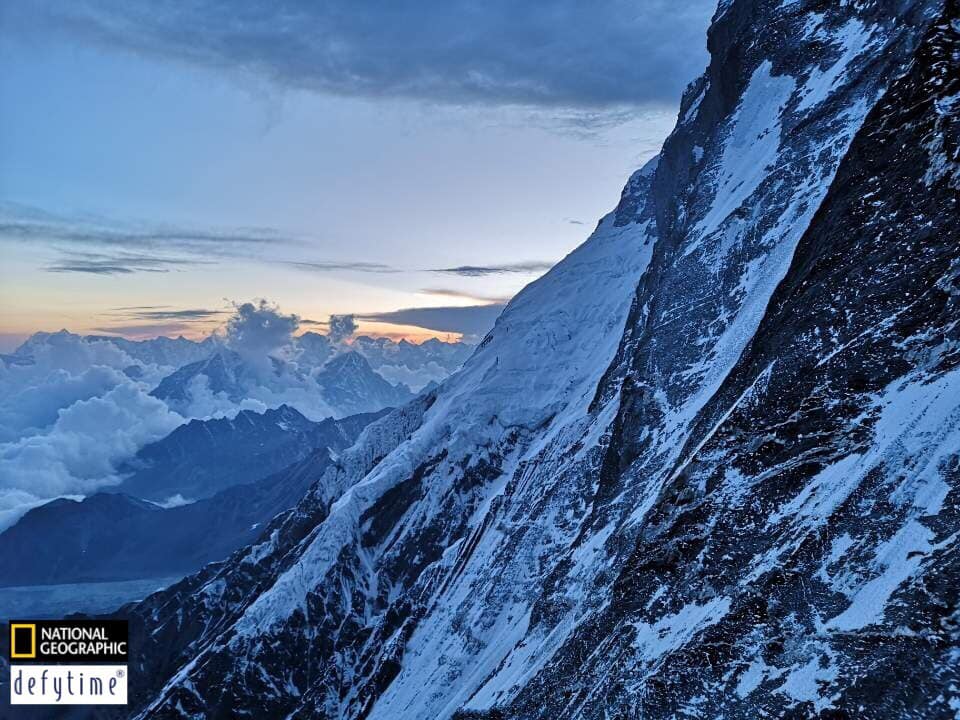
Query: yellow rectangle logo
x,y
23,641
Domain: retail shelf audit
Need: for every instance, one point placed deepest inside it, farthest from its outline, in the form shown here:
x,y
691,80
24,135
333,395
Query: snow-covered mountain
x,y
707,466
203,457
207,377
246,470
350,385
167,352
222,373
161,351
344,385
412,364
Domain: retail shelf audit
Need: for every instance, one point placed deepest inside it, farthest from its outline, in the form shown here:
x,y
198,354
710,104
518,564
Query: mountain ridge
x,y
622,504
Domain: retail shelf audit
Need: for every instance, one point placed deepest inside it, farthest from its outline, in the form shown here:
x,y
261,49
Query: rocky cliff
x,y
705,467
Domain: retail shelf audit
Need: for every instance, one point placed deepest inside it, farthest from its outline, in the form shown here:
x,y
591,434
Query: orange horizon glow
x,y
199,330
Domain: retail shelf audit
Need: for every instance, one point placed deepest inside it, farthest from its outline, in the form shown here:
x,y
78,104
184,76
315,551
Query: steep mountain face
x,y
199,459
707,466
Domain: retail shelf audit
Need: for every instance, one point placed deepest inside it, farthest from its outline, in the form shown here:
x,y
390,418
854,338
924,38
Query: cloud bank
x,y
472,321
530,268
560,53
68,418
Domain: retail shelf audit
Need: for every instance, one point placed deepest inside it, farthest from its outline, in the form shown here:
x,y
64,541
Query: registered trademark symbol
x,y
120,673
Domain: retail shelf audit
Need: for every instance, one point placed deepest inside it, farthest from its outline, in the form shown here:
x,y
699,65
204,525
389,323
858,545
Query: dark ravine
x,y
708,466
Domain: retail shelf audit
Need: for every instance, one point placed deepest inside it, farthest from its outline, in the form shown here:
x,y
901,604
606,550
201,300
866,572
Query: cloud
x,y
472,321
79,453
79,232
70,417
99,246
450,292
165,312
139,331
531,268
555,54
325,267
256,330
104,246
148,321
117,264
341,327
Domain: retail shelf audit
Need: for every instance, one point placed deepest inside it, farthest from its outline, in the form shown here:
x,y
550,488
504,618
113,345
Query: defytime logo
x,y
68,662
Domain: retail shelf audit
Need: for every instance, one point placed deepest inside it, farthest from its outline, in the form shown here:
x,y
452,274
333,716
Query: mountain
x,y
707,466
203,457
349,384
412,364
314,349
115,536
112,536
223,372
346,384
162,351
415,365
170,352
12,359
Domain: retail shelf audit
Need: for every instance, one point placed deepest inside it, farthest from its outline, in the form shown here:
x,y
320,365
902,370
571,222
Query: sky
x,y
408,163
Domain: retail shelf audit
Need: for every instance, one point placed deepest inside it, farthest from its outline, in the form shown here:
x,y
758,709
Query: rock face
x,y
705,467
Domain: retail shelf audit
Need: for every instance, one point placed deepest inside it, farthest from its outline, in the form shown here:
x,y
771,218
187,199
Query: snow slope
x,y
705,467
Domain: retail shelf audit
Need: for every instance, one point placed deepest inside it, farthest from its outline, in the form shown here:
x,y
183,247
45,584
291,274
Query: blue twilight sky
x,y
159,160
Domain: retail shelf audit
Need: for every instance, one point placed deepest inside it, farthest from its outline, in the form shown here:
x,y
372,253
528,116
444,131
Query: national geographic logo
x,y
23,641
68,662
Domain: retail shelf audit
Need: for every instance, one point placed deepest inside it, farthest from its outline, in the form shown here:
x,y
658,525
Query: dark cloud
x,y
450,292
133,308
258,328
118,264
530,268
135,331
165,313
99,246
473,321
331,266
559,53
71,232
341,327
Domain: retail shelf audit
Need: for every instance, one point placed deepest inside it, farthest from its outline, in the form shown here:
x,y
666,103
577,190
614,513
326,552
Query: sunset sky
x,y
159,162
